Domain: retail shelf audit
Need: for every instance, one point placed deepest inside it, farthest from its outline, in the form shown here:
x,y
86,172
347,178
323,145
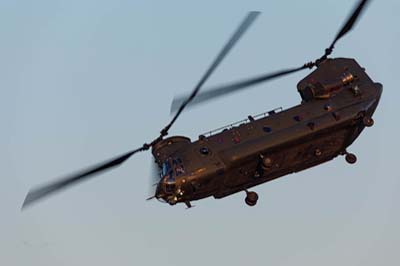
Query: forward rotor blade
x,y
154,179
251,16
50,188
349,24
233,87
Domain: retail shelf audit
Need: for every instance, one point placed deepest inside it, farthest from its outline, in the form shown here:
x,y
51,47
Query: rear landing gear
x,y
251,198
351,158
368,121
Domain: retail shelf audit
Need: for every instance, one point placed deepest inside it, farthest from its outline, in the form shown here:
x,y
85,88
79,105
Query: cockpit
x,y
168,176
171,170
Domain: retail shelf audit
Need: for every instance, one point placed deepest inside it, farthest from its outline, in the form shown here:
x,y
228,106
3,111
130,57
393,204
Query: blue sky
x,y
82,82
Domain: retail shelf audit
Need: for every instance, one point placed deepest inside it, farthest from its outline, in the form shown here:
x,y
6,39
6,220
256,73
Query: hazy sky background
x,y
83,81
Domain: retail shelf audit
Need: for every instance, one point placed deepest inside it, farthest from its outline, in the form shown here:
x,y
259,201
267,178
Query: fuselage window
x,y
204,150
297,118
267,129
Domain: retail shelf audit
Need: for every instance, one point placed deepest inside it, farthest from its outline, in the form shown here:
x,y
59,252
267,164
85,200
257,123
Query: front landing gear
x,y
251,198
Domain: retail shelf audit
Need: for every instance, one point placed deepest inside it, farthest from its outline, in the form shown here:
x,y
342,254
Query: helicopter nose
x,y
165,195
171,197
160,194
173,192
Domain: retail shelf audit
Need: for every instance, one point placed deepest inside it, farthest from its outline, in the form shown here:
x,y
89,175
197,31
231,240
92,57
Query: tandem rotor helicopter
x,y
338,101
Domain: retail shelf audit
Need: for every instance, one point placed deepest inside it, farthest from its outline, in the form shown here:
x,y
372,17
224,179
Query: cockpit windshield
x,y
171,168
166,167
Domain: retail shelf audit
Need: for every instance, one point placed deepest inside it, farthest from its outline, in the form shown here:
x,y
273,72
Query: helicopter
x,y
338,100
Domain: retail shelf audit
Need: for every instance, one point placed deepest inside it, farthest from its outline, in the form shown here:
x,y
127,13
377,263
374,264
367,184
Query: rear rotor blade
x,y
251,16
234,87
56,186
348,25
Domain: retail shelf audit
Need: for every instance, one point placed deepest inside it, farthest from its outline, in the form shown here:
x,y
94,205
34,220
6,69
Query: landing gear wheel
x,y
251,198
351,158
368,121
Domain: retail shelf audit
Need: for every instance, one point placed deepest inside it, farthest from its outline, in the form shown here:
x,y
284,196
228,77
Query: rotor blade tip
x,y
252,15
174,105
27,201
254,12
